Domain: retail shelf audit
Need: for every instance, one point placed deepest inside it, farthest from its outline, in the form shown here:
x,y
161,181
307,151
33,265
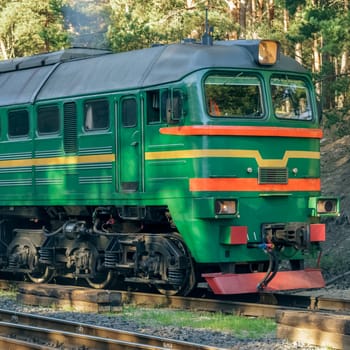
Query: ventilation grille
x,y
70,128
273,175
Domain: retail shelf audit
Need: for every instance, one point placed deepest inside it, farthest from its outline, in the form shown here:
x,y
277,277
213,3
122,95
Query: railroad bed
x,y
100,301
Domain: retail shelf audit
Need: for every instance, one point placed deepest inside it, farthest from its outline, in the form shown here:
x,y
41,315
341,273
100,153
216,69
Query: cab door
x,y
129,144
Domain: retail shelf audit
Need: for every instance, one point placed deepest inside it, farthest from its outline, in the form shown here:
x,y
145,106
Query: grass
x,y
10,293
240,327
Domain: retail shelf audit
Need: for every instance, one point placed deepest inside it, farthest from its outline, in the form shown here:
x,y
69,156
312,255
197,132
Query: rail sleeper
x,y
79,299
321,329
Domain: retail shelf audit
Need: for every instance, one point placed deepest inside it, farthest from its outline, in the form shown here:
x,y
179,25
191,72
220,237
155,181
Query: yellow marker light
x,y
268,52
225,207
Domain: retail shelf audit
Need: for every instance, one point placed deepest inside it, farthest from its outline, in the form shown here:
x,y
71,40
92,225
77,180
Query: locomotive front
x,y
248,148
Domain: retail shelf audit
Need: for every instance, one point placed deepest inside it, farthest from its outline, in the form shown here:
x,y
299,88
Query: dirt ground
x,y
335,181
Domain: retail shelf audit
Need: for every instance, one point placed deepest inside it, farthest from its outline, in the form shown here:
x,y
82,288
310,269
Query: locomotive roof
x,y
74,72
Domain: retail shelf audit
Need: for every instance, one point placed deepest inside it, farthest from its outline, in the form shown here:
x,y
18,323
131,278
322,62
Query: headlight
x,y
268,52
327,206
225,207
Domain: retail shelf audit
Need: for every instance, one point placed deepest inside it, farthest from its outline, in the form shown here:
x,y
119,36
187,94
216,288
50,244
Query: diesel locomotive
x,y
171,166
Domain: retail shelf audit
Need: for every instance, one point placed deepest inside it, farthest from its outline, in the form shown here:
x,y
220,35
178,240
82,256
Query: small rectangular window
x,y
171,106
129,112
48,120
153,107
96,115
18,123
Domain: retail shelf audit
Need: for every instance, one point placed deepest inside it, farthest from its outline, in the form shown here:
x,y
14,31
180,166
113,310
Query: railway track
x,y
87,299
324,314
26,331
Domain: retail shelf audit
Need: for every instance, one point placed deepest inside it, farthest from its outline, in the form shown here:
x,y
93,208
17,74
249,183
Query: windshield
x,y
290,98
233,96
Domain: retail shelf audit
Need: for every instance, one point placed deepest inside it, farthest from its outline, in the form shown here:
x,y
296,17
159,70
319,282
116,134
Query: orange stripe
x,y
244,185
241,131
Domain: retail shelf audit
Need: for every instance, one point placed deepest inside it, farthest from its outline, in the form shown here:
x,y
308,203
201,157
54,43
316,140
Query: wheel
x,y
180,281
186,282
101,280
41,274
24,254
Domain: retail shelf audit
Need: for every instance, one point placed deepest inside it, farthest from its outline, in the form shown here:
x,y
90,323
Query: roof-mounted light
x,y
268,52
264,52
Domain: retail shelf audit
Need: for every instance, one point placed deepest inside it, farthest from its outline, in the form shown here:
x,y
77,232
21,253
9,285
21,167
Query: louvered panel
x,y
70,128
273,175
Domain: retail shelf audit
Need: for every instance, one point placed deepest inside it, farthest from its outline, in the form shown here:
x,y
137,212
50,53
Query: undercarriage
x,y
99,245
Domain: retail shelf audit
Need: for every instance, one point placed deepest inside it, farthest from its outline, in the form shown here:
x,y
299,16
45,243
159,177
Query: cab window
x,y
233,96
165,106
290,98
172,108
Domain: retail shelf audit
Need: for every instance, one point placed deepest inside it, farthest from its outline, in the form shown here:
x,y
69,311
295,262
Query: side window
x,y
96,115
48,120
172,108
153,107
18,123
129,113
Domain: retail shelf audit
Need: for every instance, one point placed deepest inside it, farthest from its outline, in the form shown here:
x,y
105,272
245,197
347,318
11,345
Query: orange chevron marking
x,y
245,185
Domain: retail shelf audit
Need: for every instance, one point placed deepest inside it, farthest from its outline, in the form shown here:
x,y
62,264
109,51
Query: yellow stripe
x,y
58,160
223,153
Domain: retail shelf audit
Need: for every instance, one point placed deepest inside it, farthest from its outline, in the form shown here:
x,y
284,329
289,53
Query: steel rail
x,y
15,344
79,334
264,305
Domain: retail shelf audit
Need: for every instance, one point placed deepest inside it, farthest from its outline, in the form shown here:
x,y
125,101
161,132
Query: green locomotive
x,y
168,166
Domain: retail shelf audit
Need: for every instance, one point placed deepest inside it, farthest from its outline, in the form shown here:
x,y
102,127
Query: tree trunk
x,y
3,50
299,53
242,18
271,11
260,10
341,98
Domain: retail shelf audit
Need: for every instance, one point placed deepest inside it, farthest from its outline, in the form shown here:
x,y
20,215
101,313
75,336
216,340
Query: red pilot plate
x,y
231,283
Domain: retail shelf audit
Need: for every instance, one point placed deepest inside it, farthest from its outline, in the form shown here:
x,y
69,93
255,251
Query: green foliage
x,y
138,24
292,5
329,22
28,27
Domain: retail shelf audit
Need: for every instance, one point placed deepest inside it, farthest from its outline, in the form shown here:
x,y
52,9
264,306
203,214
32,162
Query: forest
x,y
314,32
